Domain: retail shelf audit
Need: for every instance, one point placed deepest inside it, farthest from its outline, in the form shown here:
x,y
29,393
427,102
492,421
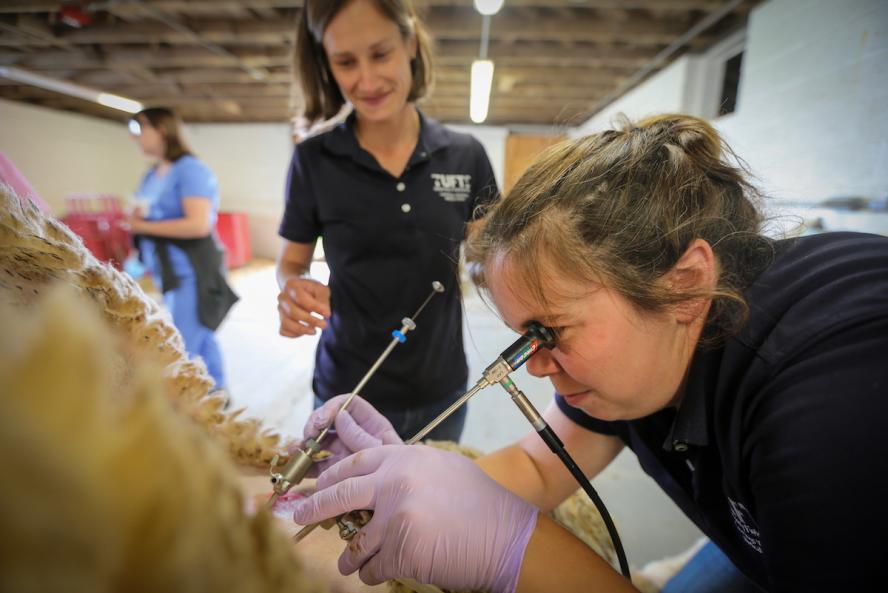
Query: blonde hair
x,y
106,486
619,208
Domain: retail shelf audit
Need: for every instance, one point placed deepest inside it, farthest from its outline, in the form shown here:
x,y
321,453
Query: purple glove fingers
x,y
322,417
444,521
363,546
373,422
348,495
353,435
381,554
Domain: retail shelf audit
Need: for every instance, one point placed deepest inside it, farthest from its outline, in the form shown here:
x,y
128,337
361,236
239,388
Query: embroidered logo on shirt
x,y
746,525
452,187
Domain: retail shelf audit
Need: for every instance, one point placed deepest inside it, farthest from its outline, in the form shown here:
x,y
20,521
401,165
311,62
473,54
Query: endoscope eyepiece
x,y
539,332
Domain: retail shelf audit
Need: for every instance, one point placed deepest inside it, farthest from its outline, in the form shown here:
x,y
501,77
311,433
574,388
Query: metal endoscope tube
x,y
511,358
301,461
498,372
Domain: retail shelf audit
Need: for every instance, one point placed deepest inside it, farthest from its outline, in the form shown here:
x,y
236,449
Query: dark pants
x,y
409,421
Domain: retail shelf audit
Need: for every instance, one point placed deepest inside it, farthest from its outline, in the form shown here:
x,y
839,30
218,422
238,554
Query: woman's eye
x,y
345,63
380,55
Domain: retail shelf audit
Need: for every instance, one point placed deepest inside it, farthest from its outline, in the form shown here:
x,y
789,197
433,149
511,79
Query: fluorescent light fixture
x,y
69,88
118,102
488,7
482,81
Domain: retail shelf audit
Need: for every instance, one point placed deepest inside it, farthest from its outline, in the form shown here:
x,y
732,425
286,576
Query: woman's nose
x,y
367,76
542,364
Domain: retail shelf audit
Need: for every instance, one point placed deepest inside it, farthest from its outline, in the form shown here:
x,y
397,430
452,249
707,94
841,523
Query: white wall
x,y
493,138
61,152
251,162
811,118
664,92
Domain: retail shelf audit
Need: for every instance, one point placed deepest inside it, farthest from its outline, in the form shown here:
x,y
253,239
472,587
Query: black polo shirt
x,y
386,239
779,448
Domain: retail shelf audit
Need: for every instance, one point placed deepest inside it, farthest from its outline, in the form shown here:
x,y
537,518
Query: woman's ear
x,y
695,272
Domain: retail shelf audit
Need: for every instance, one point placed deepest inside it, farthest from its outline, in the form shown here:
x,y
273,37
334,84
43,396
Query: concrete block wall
x,y
811,118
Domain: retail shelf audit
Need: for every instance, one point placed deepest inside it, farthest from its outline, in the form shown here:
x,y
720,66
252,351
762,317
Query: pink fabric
x,y
10,175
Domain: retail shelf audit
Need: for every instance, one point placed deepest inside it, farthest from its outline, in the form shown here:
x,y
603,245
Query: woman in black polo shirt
x,y
748,375
390,192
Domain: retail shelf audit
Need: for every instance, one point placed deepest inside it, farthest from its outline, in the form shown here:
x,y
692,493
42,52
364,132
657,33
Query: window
x,y
730,84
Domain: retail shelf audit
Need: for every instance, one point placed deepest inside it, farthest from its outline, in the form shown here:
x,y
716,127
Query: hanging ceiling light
x,y
482,68
479,98
488,7
71,89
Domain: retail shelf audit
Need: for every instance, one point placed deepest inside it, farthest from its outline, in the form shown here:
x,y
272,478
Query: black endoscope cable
x,y
514,356
551,439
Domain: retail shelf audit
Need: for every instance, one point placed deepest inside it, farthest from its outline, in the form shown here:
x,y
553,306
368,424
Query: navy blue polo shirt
x,y
778,450
386,239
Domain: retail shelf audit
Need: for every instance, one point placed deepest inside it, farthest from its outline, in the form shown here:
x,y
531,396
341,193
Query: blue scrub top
x,y
188,177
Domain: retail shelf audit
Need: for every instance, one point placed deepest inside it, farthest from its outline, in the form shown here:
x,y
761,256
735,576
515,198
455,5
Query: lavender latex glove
x,y
358,427
437,518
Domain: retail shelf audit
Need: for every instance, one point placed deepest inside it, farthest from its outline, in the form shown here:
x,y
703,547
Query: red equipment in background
x,y
97,219
234,232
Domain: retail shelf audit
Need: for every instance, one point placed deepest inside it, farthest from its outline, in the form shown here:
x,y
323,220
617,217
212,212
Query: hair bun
x,y
695,136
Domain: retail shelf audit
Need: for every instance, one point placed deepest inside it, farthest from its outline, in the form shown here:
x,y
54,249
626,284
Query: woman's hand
x,y
132,220
438,518
303,305
358,427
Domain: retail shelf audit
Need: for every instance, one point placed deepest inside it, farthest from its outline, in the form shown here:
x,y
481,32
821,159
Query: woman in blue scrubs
x,y
175,235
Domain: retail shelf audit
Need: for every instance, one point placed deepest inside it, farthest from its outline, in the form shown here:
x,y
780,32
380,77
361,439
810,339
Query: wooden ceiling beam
x,y
213,75
507,101
554,58
197,90
580,76
446,24
224,32
144,57
27,6
660,5
540,53
10,6
180,100
565,91
583,25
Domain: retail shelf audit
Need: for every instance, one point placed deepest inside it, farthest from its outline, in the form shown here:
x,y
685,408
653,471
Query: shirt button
x,y
405,208
400,186
422,154
679,446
